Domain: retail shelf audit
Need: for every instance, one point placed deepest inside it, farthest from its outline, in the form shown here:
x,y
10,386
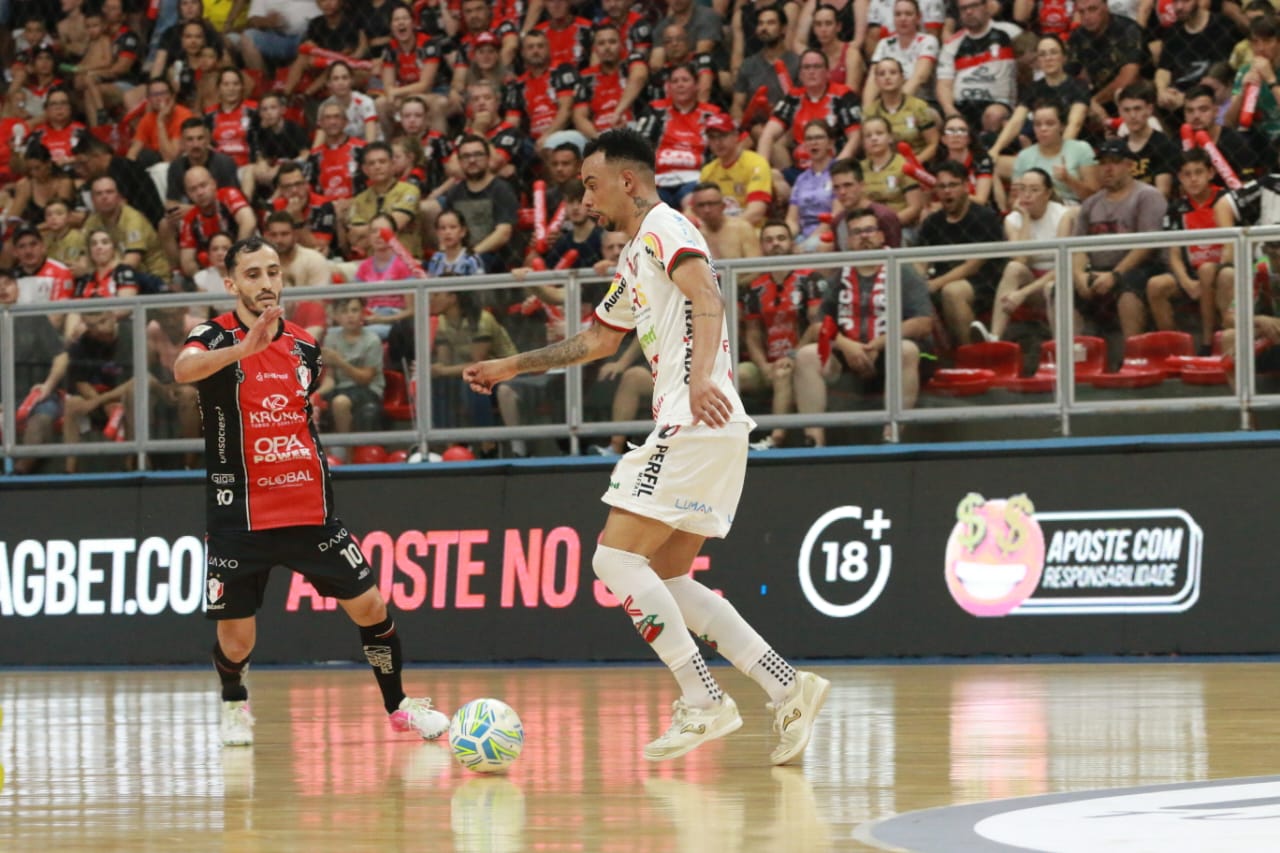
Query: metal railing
x,y
574,427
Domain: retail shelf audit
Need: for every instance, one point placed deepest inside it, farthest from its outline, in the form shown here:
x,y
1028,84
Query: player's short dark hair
x,y
847,166
239,247
623,143
953,168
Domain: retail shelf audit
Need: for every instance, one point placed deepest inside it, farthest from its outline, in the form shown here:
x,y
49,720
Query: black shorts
x,y
239,563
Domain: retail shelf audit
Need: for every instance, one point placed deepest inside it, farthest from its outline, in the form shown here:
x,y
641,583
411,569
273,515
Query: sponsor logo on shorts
x,y
288,478
223,562
614,484
222,479
647,480
335,540
215,591
668,430
691,505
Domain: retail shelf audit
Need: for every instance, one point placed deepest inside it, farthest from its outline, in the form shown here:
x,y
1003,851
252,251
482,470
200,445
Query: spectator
x,y
848,192
703,25
815,97
133,235
1111,282
31,86
1110,50
353,380
465,334
540,101
1054,84
42,184
197,150
331,30
744,177
1264,41
758,73
453,254
823,35
272,33
407,66
316,223
38,277
73,39
608,89
727,236
39,363
781,311
1028,280
299,267
633,26
910,119
279,141
486,65
233,123
107,276
1266,321
967,288
915,50
1202,115
568,36
193,71
581,233
360,110
486,120
13,141
1155,154
1242,53
64,241
856,300
478,20
677,50
1203,274
959,145
58,132
433,144
213,209
99,377
675,127
388,195
883,176
383,264
212,279
114,82
487,202
175,411
977,68
374,18
564,165
1197,40
1069,161
158,138
811,194
334,164
95,159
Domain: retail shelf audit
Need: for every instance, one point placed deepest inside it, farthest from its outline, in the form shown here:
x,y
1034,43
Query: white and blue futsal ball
x,y
486,735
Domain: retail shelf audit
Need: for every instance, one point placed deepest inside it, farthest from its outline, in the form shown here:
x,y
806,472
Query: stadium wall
x,y
1158,549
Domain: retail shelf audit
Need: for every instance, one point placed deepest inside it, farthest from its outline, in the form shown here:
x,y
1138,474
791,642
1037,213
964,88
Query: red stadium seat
x,y
1153,348
1003,358
395,397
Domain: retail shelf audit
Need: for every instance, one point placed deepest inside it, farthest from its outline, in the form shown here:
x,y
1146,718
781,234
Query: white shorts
x,y
689,477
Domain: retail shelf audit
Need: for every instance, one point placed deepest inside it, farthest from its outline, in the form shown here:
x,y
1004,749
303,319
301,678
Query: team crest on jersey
x,y
304,376
652,246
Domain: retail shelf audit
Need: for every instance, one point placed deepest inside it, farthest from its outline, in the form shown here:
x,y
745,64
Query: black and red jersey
x,y
570,44
636,31
322,219
234,132
467,43
838,106
503,139
600,90
1186,214
265,465
60,142
535,100
783,309
126,43
335,169
408,63
703,68
679,137
199,226
101,284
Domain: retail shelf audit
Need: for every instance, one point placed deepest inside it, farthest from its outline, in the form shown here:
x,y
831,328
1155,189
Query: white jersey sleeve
x,y
615,309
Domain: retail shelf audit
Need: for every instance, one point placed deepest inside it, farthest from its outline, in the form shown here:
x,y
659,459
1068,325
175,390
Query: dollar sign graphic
x,y
975,526
1016,512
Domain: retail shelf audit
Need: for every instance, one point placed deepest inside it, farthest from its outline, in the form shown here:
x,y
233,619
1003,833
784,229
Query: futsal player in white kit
x,y
683,484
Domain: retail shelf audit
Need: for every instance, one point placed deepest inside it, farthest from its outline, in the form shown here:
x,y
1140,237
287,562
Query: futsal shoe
x,y
417,715
692,727
237,724
793,717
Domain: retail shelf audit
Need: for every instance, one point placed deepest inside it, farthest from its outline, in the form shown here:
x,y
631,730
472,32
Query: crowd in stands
x,y
371,140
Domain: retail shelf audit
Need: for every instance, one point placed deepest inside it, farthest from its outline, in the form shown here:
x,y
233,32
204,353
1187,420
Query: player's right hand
x,y
263,330
484,375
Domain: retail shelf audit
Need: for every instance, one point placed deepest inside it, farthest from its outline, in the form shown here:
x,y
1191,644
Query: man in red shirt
x,y
607,89
315,222
335,162
568,36
213,210
541,99
269,499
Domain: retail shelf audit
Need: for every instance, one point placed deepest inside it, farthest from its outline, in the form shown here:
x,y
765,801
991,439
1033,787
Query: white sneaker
x,y
417,715
692,727
793,718
765,443
980,330
237,724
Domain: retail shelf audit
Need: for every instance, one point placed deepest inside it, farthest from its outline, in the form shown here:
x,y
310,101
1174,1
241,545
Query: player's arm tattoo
x,y
562,354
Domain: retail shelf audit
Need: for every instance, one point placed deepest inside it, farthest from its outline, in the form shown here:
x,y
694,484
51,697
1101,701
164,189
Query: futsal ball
x,y
486,736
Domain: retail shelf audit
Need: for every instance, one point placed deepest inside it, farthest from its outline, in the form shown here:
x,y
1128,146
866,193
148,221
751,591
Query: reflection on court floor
x,y
129,760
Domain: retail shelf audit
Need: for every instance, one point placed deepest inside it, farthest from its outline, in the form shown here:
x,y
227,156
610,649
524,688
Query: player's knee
x,y
612,565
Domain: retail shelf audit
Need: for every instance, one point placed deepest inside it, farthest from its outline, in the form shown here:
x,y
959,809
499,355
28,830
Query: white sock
x,y
719,624
658,620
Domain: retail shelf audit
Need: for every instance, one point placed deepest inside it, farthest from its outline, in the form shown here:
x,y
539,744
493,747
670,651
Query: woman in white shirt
x,y
361,110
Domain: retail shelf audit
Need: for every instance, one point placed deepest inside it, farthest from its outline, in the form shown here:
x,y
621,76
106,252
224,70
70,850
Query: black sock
x,y
382,650
230,673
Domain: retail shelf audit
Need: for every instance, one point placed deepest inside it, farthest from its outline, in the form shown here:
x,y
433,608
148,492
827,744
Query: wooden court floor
x,y
129,760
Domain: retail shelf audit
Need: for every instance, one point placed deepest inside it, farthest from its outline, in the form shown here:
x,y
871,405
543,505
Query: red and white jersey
x,y
636,31
199,226
61,143
234,132
537,98
1185,214
408,64
643,297
783,309
570,44
679,139
1057,17
600,91
13,137
102,284
335,169
264,462
44,284
838,106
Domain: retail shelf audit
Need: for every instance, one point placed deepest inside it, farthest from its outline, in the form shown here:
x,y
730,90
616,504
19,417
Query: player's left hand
x,y
708,403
